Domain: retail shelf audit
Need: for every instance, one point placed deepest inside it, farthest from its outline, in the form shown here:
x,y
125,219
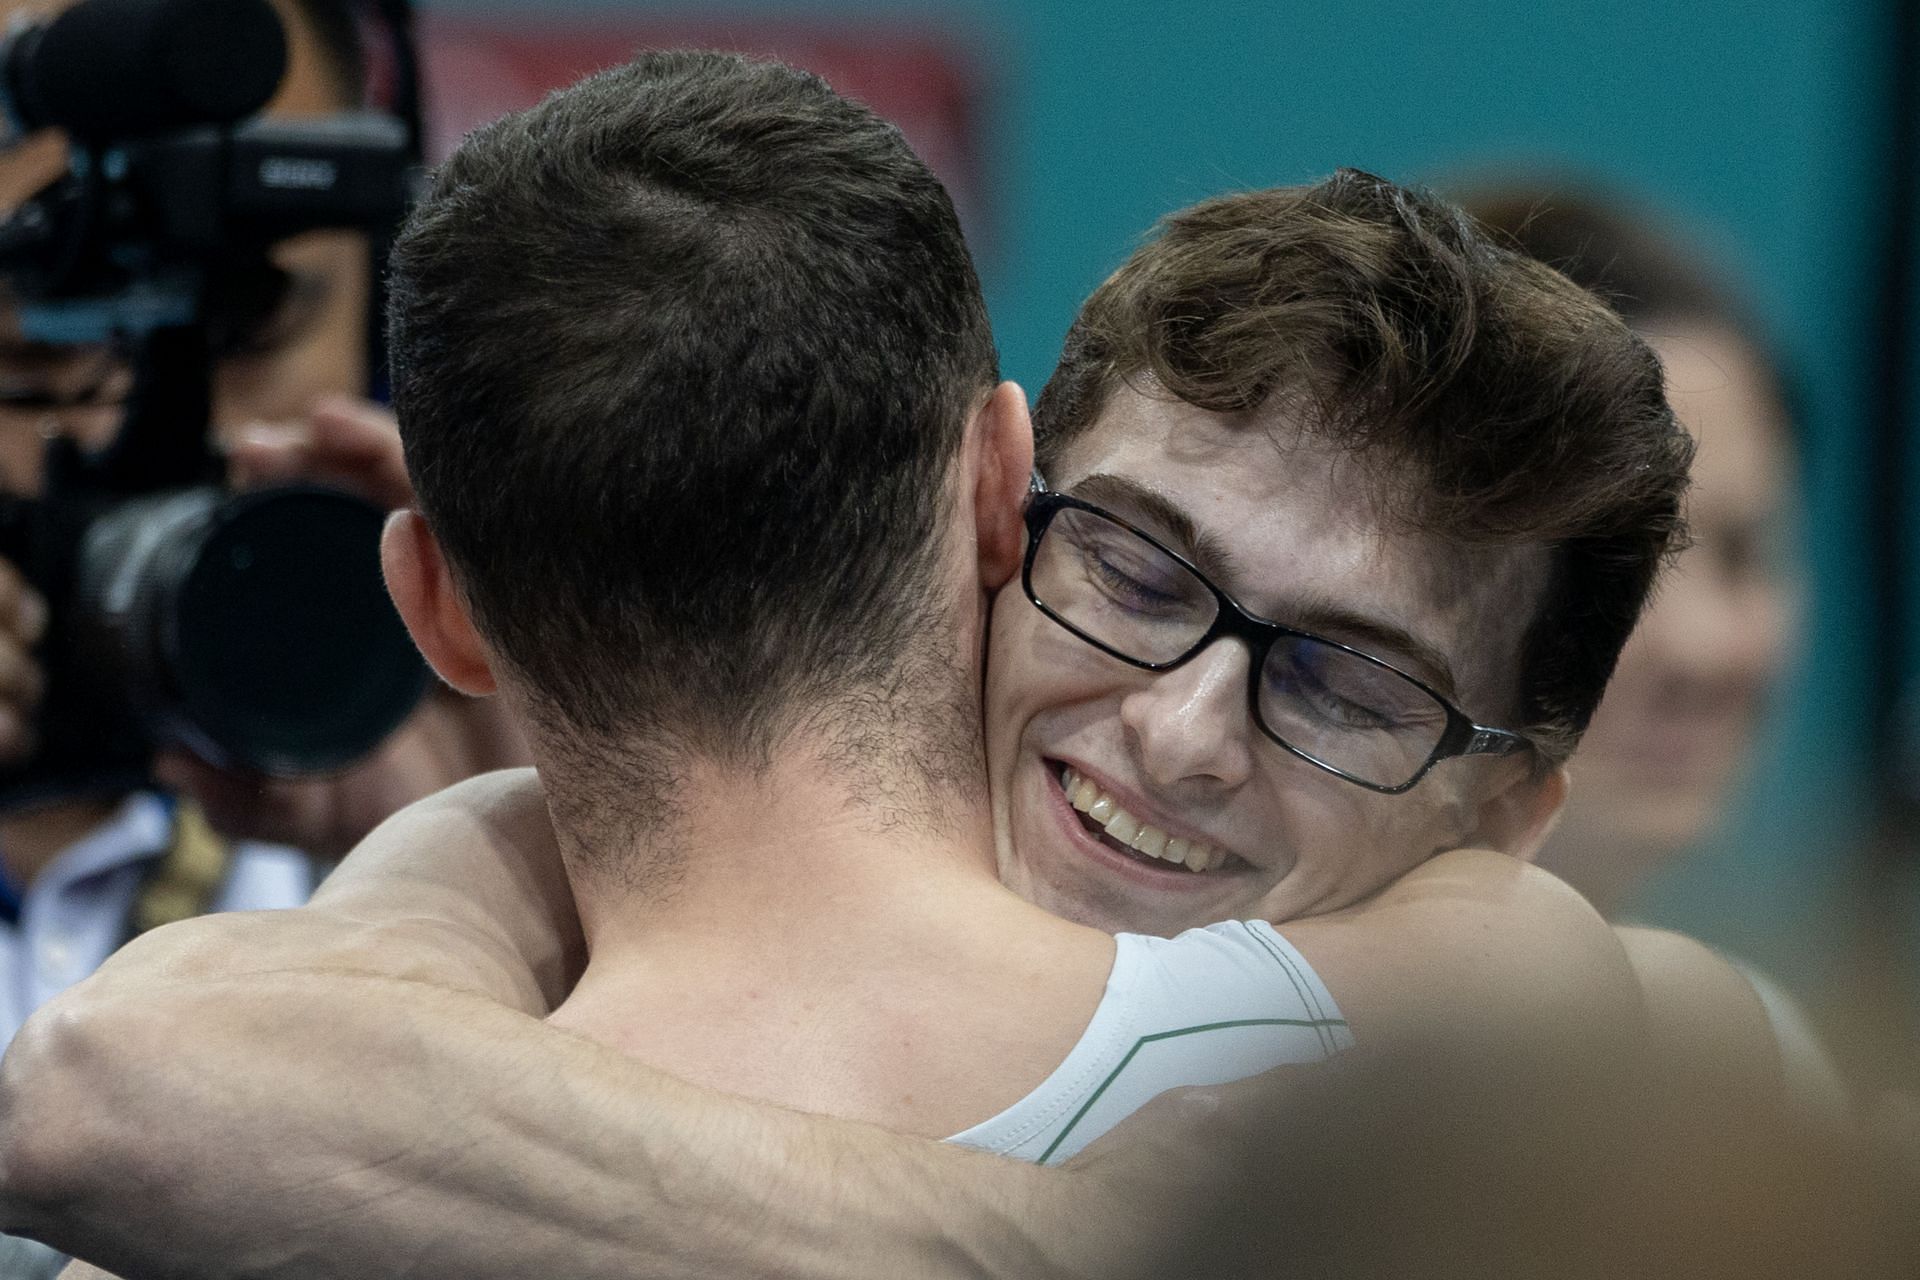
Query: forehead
x,y
1722,395
1306,540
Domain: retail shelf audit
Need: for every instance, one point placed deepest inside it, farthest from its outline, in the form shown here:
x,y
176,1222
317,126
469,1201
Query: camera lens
x,y
254,629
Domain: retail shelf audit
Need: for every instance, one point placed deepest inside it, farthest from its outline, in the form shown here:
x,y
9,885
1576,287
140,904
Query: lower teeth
x,y
1101,835
1148,858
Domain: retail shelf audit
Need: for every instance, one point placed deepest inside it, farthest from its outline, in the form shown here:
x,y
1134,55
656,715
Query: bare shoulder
x,y
1689,984
505,807
1481,942
1704,1013
1484,909
504,794
1476,880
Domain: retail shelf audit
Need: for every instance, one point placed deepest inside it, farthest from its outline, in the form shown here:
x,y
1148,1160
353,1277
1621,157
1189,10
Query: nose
x,y
1192,725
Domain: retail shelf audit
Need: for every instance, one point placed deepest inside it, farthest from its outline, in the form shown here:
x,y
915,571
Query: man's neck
x,y
793,937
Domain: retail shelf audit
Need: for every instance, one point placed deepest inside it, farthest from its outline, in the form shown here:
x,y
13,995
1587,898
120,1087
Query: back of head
x,y
1493,401
682,357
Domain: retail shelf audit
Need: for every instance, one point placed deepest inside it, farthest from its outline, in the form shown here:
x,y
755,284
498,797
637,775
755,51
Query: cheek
x,y
1033,665
327,356
1637,672
1006,641
1010,695
1771,619
1047,691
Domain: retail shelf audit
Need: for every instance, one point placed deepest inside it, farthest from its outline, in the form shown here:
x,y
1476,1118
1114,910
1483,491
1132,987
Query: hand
x,y
354,445
23,620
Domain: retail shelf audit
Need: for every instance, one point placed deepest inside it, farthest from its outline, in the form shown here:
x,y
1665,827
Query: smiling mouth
x,y
1119,830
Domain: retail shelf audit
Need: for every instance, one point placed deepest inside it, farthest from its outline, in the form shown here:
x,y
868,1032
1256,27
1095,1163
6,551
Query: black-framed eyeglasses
x,y
1356,716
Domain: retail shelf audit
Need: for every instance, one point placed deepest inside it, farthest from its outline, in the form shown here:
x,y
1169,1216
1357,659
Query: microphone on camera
x,y
114,69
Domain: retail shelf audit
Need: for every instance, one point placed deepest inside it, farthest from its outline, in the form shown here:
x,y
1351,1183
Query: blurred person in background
x,y
81,874
1668,741
1659,762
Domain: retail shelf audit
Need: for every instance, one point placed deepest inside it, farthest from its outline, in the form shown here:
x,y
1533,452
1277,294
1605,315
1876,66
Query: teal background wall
x,y
1762,126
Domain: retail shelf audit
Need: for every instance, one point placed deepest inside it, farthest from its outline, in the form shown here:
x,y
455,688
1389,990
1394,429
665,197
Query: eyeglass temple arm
x,y
1482,741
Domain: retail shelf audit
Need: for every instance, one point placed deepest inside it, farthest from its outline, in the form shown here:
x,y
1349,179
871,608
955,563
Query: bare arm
x,y
402,1110
398,1103
638,1176
1473,947
464,890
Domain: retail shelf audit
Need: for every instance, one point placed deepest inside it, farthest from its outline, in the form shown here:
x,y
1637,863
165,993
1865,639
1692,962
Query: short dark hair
x,y
1499,403
682,358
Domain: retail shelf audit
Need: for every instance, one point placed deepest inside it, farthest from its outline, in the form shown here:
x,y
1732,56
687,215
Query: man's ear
x,y
422,589
1518,819
1000,437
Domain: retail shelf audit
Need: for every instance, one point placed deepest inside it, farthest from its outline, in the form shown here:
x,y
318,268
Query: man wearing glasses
x,y
1110,576
1269,604
1125,592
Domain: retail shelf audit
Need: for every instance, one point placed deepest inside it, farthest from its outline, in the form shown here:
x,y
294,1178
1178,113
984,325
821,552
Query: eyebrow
x,y
1174,526
1336,622
1402,648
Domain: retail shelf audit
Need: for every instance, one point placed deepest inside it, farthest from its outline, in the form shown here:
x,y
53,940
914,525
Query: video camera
x,y
253,628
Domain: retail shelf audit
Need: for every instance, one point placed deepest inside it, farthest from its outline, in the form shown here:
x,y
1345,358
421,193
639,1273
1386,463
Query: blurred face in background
x,y
1654,770
311,344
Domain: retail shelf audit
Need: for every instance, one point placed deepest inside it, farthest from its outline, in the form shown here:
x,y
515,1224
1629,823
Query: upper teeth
x,y
1195,855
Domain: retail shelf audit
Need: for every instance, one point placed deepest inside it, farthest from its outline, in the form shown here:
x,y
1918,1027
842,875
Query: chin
x,y
1089,915
1114,909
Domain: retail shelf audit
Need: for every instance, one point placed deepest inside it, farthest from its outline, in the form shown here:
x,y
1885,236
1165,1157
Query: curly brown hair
x,y
1494,401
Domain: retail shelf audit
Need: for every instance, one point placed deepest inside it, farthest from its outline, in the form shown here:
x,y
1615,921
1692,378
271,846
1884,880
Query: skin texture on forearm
x,y
358,1088
360,1083
653,1178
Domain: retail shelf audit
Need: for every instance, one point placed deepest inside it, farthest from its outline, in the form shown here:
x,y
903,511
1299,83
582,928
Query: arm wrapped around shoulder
x,y
65,1141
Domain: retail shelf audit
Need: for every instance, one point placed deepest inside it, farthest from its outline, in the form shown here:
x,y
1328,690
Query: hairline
x,y
1431,664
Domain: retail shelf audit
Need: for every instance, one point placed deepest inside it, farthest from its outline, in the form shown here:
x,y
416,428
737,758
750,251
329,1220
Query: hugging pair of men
x,y
869,711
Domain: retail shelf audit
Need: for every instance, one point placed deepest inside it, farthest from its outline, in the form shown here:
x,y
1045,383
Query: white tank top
x,y
1209,1007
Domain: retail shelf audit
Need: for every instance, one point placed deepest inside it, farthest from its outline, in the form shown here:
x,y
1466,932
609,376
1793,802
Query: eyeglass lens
x,y
1124,593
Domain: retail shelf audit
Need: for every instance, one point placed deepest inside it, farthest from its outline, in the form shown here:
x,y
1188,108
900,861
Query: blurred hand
x,y
23,620
355,446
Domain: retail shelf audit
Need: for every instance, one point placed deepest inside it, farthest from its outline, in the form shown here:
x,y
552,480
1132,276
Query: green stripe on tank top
x,y
1318,1025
